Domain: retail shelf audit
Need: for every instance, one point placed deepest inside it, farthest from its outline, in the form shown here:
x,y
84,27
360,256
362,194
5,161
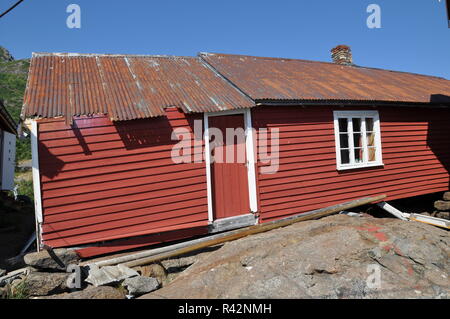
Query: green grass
x,y
26,188
23,149
13,81
19,291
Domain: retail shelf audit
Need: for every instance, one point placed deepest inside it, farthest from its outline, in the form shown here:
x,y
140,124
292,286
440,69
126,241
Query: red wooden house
x,y
102,129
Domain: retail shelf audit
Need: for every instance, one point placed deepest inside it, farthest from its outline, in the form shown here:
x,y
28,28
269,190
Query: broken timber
x,y
393,211
440,222
415,217
207,242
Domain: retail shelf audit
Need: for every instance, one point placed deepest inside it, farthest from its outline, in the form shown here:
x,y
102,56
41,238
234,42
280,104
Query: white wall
x,y
8,157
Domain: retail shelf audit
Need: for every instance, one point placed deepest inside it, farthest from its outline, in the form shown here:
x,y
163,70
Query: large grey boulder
x,y
43,284
109,274
43,261
137,286
103,292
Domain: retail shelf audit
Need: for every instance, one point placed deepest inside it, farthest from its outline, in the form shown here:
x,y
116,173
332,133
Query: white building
x,y
8,134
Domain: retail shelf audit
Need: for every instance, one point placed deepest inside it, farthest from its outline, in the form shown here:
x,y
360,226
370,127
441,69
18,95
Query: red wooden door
x,y
229,179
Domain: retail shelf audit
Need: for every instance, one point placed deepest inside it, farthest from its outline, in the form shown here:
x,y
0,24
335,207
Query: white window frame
x,y
377,130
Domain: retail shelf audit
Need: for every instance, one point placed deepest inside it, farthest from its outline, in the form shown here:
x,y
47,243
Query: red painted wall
x,y
416,154
102,181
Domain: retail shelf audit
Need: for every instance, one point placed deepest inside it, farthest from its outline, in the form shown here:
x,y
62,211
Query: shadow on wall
x,y
80,138
157,131
438,138
143,133
50,165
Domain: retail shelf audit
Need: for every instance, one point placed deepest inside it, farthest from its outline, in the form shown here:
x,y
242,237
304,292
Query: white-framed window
x,y
358,139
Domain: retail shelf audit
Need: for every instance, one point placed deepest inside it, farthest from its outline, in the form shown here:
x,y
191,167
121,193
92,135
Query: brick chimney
x,y
342,54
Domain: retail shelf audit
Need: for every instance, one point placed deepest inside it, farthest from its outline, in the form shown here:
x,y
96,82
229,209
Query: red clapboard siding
x,y
102,181
416,156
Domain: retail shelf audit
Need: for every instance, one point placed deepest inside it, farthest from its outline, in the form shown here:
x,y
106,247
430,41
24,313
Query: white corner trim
x,y
36,181
208,167
251,170
250,152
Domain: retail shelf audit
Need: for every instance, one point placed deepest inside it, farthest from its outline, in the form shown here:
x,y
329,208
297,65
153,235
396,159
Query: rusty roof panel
x,y
288,79
124,86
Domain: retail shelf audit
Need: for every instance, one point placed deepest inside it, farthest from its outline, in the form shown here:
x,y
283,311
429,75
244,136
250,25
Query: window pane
x,y
372,154
356,124
344,140
370,139
359,155
369,124
342,125
357,140
345,156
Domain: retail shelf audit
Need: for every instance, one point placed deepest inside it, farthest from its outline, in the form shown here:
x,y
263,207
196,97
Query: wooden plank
x,y
257,229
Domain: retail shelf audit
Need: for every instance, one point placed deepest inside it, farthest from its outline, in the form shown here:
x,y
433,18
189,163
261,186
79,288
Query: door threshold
x,y
234,222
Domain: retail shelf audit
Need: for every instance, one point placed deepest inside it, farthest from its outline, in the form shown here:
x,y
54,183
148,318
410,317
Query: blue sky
x,y
414,36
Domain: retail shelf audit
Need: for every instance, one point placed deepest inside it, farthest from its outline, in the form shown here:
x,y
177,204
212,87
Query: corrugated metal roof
x,y
6,121
288,79
124,86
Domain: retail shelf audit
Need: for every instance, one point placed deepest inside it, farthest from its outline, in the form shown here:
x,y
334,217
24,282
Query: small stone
x,y
153,270
447,196
109,274
3,292
43,261
444,215
137,286
442,205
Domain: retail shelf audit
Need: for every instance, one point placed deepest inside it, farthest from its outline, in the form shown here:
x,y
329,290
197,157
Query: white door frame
x,y
250,152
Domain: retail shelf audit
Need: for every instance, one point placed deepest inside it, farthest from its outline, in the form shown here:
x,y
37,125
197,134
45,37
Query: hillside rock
x,y
5,56
334,257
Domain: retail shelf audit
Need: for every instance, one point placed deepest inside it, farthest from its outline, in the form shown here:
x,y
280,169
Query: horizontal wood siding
x,y
416,156
102,181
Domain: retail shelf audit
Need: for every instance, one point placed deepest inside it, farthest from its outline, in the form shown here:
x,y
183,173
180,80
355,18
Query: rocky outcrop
x,y
334,257
5,56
